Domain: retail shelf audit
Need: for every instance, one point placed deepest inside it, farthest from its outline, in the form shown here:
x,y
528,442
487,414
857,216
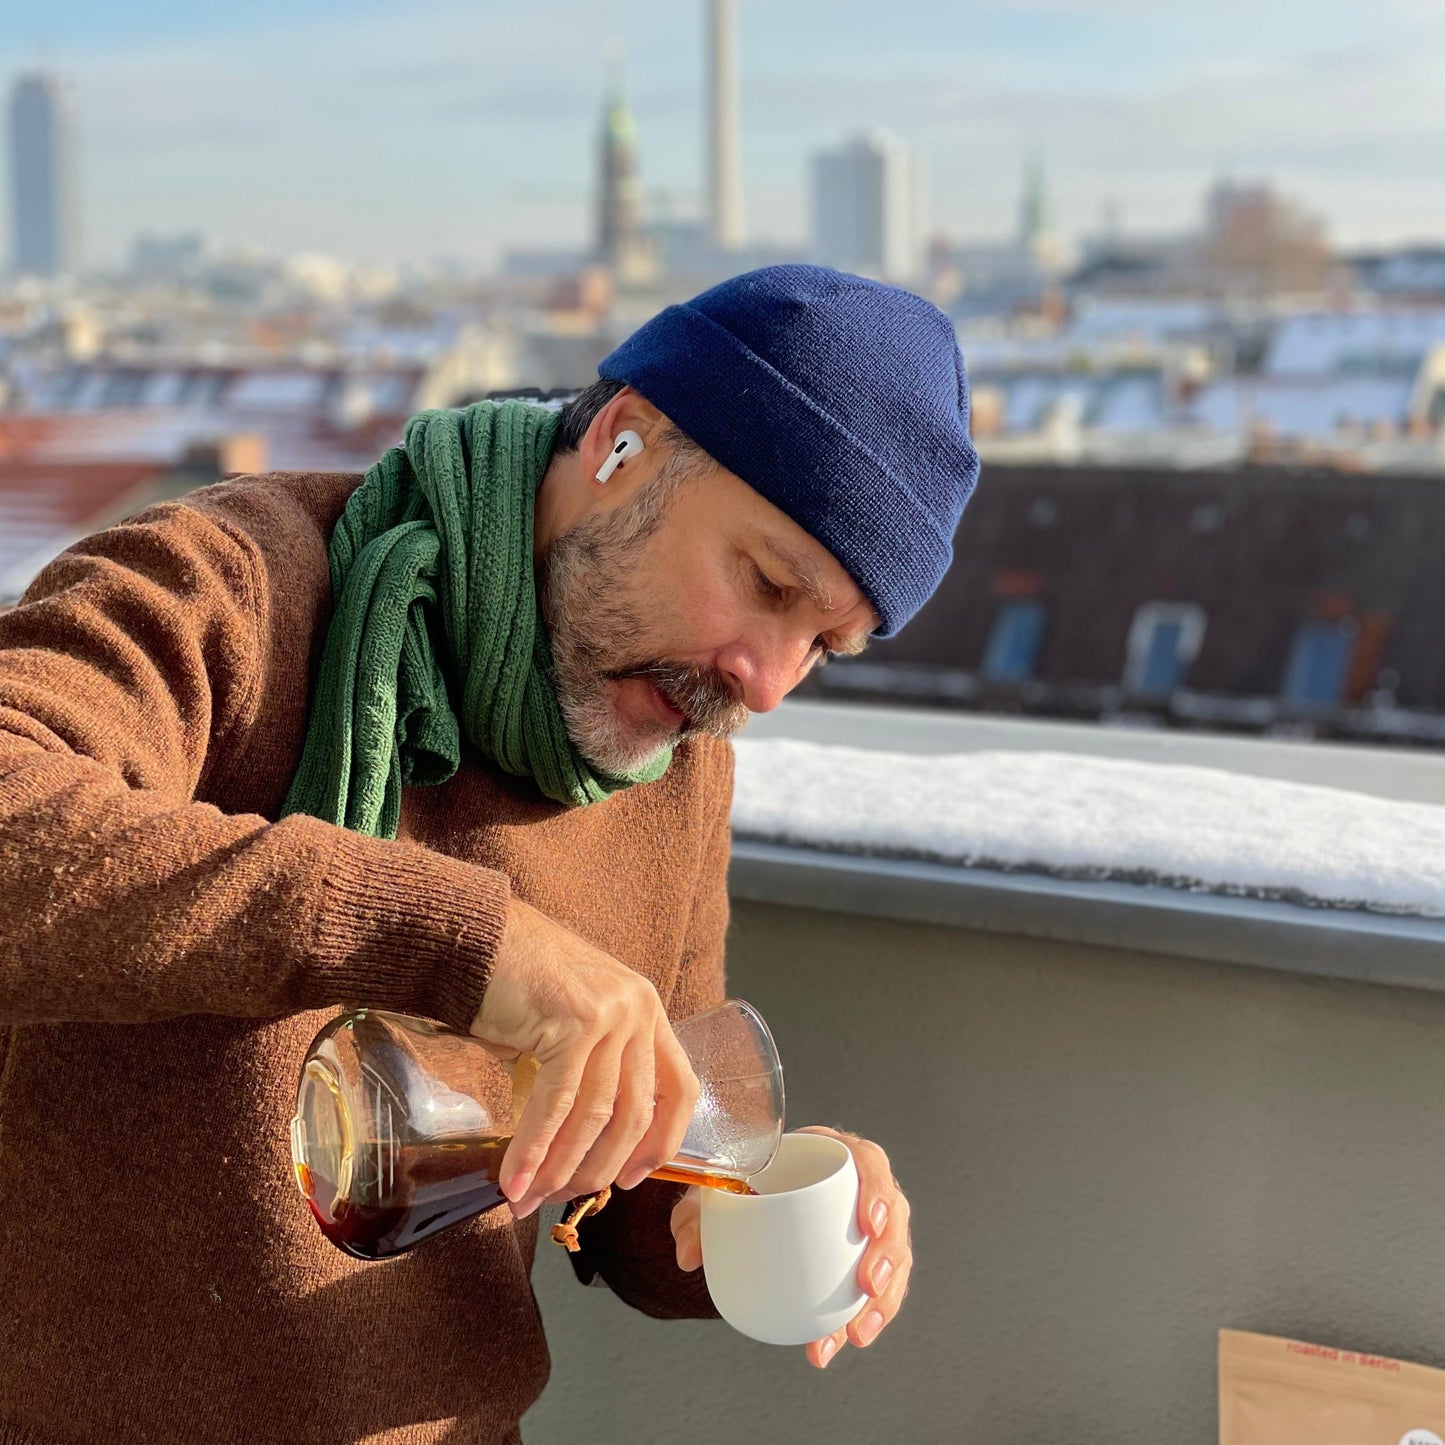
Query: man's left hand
x,y
884,1269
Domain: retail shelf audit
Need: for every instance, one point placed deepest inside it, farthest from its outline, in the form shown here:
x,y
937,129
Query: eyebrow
x,y
804,573
806,576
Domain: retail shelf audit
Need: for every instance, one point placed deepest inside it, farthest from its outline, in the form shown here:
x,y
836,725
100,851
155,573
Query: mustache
x,y
702,695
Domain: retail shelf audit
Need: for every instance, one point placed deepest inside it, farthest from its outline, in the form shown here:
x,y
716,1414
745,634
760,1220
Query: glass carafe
x,y
393,1139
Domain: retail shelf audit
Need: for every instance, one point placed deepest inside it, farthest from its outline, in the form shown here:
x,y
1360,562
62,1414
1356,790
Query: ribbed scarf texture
x,y
436,630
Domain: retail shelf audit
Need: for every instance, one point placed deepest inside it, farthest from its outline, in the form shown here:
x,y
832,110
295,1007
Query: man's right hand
x,y
614,1091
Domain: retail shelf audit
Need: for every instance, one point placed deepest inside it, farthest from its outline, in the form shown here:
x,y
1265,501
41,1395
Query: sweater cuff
x,y
629,1247
402,927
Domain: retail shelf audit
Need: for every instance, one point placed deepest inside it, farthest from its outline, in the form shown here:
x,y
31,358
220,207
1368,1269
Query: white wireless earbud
x,y
625,444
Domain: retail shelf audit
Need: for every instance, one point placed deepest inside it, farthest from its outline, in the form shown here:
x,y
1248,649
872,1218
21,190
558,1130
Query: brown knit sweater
x,y
167,951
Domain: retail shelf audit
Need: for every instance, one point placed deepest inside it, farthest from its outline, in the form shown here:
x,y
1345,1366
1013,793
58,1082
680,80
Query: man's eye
x,y
766,585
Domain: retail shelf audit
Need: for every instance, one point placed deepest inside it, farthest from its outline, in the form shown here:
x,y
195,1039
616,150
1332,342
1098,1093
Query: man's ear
x,y
627,411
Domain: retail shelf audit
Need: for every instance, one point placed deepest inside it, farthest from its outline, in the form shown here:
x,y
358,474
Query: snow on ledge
x,y
1076,816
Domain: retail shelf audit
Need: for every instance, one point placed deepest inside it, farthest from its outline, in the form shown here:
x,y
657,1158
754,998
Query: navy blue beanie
x,y
841,400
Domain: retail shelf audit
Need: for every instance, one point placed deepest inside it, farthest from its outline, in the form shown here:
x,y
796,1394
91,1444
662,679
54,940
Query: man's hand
x,y
886,1264
614,1092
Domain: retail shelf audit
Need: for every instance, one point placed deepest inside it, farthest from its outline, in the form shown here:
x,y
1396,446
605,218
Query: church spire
x,y
1033,206
619,195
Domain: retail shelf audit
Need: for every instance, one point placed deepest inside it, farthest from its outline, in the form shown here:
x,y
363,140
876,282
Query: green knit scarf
x,y
436,630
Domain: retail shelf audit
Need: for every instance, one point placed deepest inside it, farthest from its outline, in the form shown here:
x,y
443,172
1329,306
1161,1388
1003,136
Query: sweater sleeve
x,y
129,677
629,1245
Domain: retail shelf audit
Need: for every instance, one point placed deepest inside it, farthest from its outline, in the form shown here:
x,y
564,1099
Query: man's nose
x,y
762,677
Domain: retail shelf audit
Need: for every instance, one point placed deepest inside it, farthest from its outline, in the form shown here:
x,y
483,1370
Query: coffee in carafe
x,y
393,1140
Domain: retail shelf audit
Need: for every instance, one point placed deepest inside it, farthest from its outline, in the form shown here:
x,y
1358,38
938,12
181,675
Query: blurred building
x,y
1113,264
1407,273
685,246
868,208
1363,388
43,194
1252,243
168,258
1036,236
1254,599
526,264
57,486
97,439
622,242
1212,381
1016,276
1258,241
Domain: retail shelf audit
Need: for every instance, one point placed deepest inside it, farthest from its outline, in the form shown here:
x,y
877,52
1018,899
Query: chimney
x,y
725,162
236,454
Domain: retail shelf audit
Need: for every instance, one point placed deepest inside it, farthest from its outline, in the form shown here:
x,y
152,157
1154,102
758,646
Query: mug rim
x,y
718,1198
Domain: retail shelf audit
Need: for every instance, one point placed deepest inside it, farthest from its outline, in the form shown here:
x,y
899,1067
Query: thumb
x,y
687,1231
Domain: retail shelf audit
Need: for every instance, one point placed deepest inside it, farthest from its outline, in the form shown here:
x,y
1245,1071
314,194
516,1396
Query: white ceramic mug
x,y
782,1266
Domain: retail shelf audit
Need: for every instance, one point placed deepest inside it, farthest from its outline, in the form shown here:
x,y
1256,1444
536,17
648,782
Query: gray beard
x,y
597,638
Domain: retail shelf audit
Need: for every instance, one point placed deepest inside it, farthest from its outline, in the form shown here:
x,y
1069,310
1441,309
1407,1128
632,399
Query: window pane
x,y
1013,645
1163,661
1319,661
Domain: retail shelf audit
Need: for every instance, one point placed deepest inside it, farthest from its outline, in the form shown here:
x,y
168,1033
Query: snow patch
x,y
1075,816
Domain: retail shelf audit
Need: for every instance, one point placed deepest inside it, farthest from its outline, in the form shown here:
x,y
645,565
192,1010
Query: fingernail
x,y
880,1275
868,1330
828,1349
879,1217
631,1179
523,1207
520,1185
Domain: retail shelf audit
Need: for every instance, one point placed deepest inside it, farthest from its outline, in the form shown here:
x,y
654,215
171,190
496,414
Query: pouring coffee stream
x,y
393,1139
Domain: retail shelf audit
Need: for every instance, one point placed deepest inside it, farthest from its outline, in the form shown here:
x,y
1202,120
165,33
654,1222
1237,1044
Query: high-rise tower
x,y
868,205
724,128
42,178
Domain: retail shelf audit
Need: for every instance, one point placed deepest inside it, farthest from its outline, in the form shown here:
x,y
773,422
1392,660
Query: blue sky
x,y
384,132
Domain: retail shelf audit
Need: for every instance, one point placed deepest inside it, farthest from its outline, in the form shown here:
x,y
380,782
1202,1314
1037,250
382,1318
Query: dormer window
x,y
1013,647
1163,640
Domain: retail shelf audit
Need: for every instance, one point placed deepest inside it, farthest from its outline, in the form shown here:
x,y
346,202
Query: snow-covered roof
x,y
1145,319
1097,818
985,352
393,391
1028,399
418,345
1317,343
278,391
1305,406
1417,269
1129,404
1123,401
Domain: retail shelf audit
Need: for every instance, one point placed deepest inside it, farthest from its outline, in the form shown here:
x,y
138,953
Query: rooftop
x,y
46,506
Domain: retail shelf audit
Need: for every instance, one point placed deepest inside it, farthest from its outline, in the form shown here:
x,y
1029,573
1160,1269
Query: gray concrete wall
x,y
1110,1156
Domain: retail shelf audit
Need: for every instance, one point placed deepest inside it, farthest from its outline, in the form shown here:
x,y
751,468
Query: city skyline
x,y
293,134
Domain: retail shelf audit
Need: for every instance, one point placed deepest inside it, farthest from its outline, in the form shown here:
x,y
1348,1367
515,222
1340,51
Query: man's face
x,y
683,610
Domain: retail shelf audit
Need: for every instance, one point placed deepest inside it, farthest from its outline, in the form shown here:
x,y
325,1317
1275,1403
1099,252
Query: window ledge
x,y
1400,952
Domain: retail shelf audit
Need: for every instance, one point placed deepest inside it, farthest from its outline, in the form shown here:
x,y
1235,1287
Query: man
x,y
296,743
